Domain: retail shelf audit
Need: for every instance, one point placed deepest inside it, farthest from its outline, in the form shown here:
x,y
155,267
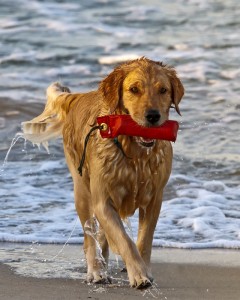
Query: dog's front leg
x,y
83,203
147,223
109,219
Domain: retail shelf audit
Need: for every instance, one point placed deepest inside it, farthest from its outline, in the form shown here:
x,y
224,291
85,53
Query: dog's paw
x,y
97,277
139,277
141,282
124,270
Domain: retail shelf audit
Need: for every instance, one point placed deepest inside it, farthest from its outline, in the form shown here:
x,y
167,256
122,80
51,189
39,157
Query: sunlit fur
x,y
113,186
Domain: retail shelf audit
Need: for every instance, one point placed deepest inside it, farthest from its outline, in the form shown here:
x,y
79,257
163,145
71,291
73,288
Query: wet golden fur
x,y
112,186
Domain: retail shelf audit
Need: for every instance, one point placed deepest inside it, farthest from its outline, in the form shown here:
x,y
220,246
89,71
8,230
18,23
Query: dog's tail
x,y
49,124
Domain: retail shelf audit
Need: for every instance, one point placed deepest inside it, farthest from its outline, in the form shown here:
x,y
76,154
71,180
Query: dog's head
x,y
143,88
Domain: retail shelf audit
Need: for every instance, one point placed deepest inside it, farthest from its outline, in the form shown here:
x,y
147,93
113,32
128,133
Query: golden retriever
x,y
113,186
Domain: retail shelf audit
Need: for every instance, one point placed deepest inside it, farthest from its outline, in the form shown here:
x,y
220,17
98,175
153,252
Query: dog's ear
x,y
111,88
177,89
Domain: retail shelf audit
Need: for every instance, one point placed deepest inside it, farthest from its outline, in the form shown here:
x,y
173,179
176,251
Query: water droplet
x,y
91,227
14,140
129,227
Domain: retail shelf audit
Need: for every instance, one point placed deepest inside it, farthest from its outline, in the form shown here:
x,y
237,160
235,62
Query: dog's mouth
x,y
144,142
148,143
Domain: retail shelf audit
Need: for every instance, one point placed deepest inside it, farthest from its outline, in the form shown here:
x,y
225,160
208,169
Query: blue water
x,y
79,43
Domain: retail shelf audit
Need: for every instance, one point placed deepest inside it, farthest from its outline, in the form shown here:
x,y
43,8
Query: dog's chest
x,y
134,183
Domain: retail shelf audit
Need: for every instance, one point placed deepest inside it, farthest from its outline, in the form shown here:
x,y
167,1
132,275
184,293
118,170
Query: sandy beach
x,y
179,274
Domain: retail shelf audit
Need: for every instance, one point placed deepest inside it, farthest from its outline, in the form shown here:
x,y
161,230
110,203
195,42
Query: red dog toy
x,y
112,126
115,125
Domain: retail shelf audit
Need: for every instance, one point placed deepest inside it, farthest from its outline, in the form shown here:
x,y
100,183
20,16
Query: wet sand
x,y
179,274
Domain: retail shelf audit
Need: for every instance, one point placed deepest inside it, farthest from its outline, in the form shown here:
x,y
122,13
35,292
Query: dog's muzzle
x,y
152,117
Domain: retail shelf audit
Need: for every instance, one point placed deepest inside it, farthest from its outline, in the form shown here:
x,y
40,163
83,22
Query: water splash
x,y
100,290
61,250
91,227
14,141
129,227
153,292
117,261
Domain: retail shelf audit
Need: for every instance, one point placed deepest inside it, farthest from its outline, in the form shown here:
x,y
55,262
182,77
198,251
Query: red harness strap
x,y
115,125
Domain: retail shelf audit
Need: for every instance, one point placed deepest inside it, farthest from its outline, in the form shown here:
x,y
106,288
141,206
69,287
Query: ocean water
x,y
79,43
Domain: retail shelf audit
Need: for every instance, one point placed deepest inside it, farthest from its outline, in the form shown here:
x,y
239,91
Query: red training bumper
x,y
115,125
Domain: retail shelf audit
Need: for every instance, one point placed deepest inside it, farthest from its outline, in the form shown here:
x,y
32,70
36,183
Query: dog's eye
x,y
163,90
134,90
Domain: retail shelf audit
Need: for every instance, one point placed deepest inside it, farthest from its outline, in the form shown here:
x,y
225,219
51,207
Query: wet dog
x,y
113,186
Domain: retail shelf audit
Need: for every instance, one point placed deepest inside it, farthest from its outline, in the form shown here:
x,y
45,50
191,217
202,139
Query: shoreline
x,y
178,273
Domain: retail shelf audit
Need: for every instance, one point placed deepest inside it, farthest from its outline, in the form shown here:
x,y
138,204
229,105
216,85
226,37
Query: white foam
x,y
52,8
230,74
59,26
197,70
2,122
141,12
113,59
201,217
40,208
120,32
71,69
19,56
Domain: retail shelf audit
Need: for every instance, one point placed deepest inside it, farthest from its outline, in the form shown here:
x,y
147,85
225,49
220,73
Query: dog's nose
x,y
153,116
